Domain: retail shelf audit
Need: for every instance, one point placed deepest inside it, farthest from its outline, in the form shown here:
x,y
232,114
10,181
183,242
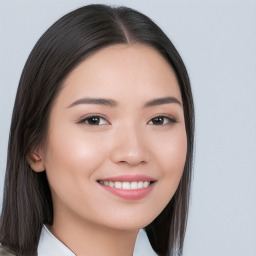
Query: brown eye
x,y
158,120
94,121
162,120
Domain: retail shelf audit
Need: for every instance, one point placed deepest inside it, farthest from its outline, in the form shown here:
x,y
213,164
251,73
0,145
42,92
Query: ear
x,y
35,161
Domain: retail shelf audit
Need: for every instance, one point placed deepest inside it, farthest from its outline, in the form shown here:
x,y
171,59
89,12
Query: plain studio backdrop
x,y
217,41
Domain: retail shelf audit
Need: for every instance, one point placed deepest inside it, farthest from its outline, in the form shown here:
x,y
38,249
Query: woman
x,y
101,140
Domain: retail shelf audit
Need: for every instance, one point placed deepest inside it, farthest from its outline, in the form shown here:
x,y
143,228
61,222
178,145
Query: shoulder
x,y
5,251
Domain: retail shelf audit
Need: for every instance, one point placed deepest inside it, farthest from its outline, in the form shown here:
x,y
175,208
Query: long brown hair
x,y
27,203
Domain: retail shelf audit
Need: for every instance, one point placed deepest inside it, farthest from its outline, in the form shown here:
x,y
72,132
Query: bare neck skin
x,y
93,239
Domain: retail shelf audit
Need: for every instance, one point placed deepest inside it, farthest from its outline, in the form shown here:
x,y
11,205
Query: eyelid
x,y
84,118
170,119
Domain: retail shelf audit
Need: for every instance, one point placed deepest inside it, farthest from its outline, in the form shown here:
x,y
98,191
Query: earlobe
x,y
35,161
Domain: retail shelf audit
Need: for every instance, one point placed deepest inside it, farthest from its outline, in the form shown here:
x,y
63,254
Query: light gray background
x,y
217,40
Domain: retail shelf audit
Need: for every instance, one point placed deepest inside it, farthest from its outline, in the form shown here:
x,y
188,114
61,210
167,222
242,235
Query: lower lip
x,y
131,194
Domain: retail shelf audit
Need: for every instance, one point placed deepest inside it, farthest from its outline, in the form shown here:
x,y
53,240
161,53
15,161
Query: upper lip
x,y
129,178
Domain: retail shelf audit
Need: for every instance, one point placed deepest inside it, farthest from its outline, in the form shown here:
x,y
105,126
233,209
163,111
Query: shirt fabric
x,y
51,245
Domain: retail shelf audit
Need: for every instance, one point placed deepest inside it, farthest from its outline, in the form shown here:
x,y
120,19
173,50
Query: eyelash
x,y
169,119
85,120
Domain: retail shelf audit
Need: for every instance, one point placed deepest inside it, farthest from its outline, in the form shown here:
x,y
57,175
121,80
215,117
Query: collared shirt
x,y
49,245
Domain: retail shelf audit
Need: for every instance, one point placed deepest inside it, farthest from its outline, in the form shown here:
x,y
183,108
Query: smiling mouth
x,y
126,185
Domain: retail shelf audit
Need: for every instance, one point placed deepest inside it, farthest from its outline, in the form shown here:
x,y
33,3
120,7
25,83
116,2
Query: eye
x,y
162,120
94,120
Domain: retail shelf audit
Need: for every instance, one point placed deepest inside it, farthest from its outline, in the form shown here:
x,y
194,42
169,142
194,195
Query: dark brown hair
x,y
27,203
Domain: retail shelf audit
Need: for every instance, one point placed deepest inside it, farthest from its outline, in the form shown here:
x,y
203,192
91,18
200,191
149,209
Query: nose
x,y
130,147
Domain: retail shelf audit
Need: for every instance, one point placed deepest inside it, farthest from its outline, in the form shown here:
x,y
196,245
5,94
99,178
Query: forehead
x,y
123,71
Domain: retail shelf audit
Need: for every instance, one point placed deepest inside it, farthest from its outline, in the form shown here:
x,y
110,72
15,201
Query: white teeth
x,y
140,184
145,184
126,184
134,185
111,184
118,184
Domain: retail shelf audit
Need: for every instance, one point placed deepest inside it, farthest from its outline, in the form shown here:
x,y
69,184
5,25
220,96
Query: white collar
x,y
51,245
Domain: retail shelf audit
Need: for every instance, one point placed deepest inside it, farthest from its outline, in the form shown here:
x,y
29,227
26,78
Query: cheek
x,y
170,157
72,151
71,158
171,152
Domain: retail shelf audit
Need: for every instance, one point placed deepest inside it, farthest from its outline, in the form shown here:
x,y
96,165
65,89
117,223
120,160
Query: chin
x,y
129,223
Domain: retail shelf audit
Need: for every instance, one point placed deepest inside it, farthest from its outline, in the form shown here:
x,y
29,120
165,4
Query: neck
x,y
92,239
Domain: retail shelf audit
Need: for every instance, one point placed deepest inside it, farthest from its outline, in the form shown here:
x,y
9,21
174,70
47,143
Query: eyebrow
x,y
161,101
113,103
97,101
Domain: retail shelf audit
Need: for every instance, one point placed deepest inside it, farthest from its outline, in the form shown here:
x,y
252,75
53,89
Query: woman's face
x,y
116,143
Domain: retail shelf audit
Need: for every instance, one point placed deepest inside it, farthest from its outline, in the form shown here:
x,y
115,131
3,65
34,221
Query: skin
x,y
126,140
